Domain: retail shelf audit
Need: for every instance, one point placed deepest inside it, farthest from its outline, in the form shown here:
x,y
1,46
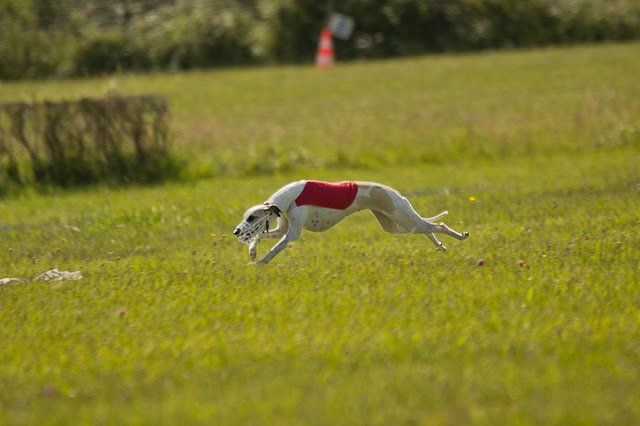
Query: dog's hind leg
x,y
396,215
432,236
442,228
388,224
393,227
406,220
436,242
436,217
406,217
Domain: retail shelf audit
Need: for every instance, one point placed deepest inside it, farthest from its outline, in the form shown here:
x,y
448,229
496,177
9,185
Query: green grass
x,y
351,326
400,112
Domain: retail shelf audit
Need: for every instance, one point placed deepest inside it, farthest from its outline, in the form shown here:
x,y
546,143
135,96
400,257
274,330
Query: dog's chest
x,y
320,218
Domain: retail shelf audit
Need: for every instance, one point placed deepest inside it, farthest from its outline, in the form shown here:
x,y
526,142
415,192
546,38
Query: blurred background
x,y
60,38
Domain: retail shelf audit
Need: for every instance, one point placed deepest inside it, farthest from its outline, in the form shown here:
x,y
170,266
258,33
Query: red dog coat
x,y
332,195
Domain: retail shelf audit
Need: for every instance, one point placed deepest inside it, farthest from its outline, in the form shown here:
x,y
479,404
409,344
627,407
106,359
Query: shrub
x,y
118,139
108,53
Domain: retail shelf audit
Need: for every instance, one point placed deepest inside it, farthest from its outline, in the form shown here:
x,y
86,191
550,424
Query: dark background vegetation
x,y
44,38
114,139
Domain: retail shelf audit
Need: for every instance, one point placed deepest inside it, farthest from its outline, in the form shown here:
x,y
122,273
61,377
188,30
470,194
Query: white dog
x,y
317,206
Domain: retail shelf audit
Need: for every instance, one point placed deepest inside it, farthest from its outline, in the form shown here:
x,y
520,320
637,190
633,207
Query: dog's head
x,y
255,222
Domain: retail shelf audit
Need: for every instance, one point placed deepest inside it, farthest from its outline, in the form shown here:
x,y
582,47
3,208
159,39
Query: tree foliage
x,y
72,37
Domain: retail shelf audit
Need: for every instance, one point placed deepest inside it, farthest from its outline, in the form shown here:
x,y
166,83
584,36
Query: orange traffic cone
x,y
324,55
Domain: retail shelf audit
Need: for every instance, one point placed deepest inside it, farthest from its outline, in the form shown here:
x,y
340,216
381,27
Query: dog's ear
x,y
272,208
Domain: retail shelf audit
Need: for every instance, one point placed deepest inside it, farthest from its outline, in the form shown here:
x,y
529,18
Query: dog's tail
x,y
438,216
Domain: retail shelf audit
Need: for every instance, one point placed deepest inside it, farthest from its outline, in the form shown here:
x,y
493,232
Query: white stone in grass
x,y
10,280
56,275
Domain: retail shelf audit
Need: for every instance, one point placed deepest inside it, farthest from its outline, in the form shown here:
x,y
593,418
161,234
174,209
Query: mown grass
x,y
352,326
401,112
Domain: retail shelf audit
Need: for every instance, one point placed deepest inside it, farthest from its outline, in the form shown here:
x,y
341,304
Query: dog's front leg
x,y
283,227
253,249
292,234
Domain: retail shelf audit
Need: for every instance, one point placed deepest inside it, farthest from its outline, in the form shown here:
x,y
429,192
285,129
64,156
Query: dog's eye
x,y
251,218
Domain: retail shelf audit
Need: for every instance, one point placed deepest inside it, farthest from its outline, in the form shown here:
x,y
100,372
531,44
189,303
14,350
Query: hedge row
x,y
76,37
113,139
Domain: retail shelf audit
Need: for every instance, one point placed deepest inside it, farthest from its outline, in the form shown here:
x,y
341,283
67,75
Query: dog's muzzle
x,y
247,232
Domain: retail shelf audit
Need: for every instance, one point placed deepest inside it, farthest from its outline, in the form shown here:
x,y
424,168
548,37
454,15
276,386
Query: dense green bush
x,y
108,53
113,139
401,27
73,37
188,36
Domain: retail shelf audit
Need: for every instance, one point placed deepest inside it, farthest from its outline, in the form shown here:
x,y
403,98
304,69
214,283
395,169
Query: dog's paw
x,y
465,235
442,247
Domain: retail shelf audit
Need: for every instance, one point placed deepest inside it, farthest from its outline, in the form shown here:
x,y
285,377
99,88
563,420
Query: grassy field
x,y
402,112
535,153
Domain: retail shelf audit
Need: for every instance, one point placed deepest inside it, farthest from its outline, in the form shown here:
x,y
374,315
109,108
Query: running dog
x,y
317,206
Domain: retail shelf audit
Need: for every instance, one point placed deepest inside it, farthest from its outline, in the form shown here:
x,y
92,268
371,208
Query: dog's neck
x,y
285,196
